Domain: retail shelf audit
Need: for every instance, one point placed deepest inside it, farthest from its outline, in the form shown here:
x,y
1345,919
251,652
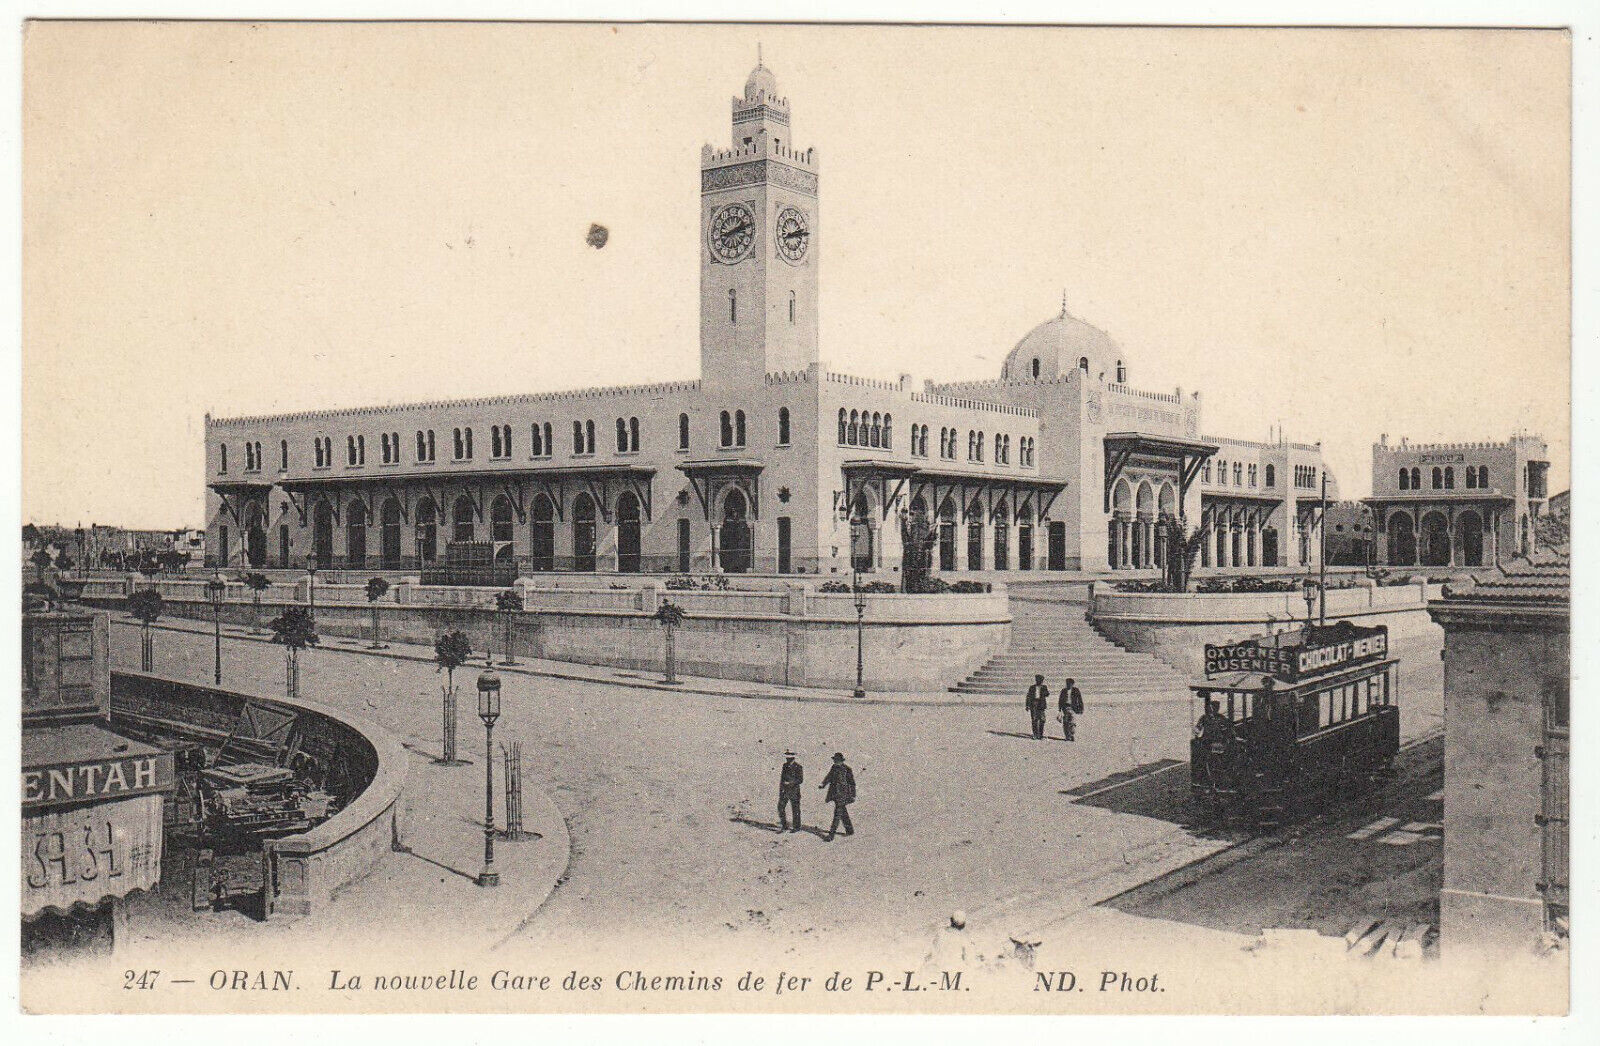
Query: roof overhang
x,y
1453,497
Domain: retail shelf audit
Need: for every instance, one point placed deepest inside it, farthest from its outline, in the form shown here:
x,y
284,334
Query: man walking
x,y
1071,704
841,786
789,780
1038,700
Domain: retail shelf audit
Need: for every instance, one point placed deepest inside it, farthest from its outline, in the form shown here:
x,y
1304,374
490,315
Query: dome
x,y
761,82
1058,345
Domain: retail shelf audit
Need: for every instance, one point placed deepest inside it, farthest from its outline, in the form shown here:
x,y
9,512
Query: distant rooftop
x,y
1542,578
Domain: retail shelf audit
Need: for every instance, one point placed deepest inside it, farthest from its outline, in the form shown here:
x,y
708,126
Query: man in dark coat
x,y
789,780
1071,704
841,786
1037,701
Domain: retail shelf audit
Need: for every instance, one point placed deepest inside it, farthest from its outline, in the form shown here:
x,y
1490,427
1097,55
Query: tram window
x,y
1310,713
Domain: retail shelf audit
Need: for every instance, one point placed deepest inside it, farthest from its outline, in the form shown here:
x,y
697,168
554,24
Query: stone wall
x,y
301,872
1500,674
794,637
1175,627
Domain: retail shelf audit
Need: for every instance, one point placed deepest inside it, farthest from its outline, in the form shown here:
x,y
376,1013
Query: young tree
x,y
1183,546
671,615
145,605
257,583
451,651
294,629
917,538
508,604
377,588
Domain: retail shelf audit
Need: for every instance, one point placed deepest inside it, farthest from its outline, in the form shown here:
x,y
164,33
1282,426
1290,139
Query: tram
x,y
1285,716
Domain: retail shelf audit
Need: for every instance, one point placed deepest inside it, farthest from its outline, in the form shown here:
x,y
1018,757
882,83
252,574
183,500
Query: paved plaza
x,y
670,800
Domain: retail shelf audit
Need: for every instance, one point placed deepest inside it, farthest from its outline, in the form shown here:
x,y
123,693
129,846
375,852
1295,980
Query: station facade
x,y
770,461
1457,504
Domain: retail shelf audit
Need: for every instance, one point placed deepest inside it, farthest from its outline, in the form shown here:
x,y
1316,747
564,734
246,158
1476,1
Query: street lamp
x,y
216,588
861,614
311,569
1309,590
488,711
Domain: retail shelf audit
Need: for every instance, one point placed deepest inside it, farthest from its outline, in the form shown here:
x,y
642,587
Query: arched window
x,y
1416,479
875,431
1472,478
549,440
1483,477
1272,476
588,437
622,435
841,426
422,447
500,524
633,434
738,428
349,450
536,440
577,437
980,446
1449,478
791,306
1438,477
383,447
427,531
469,442
726,420
783,419
283,455
888,432
1036,366
733,305
223,447
1238,474
1083,364
461,519
855,428
460,447
1405,480
1122,373
683,432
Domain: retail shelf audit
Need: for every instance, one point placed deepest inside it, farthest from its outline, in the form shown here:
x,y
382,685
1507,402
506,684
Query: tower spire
x,y
1063,303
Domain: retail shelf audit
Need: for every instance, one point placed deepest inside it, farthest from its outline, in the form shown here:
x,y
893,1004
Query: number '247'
x,y
139,980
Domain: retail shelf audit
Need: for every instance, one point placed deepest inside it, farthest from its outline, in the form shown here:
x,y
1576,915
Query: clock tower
x,y
758,244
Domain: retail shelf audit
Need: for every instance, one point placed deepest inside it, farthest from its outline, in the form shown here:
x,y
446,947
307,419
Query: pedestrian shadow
x,y
1025,737
431,756
769,826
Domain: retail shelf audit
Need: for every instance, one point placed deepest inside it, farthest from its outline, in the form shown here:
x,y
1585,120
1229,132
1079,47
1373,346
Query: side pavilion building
x,y
770,461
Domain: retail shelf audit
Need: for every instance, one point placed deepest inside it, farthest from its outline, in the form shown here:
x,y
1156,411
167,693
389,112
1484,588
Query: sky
x,y
1346,233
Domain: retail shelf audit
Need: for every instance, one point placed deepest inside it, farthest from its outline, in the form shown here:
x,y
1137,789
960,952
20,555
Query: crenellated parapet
x,y
565,396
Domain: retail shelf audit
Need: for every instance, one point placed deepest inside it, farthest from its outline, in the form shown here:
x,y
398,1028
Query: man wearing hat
x,y
789,780
841,786
1036,702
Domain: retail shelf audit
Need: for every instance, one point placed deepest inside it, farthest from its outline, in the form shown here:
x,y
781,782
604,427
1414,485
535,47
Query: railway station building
x,y
1457,504
771,460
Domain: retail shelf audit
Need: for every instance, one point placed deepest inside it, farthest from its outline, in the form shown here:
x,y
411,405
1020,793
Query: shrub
x,y
879,588
928,584
833,586
967,588
681,582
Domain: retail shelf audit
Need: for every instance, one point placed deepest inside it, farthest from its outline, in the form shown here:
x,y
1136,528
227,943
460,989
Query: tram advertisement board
x,y
1344,644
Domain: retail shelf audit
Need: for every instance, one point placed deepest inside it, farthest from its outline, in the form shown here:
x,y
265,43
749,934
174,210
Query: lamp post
x,y
488,711
216,588
1309,591
1322,555
861,614
311,595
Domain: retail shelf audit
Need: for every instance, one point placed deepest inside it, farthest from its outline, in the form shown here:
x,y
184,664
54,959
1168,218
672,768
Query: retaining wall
x,y
1176,626
793,636
301,873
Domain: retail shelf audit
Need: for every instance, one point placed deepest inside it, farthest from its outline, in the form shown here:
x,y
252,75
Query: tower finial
x,y
758,54
1063,303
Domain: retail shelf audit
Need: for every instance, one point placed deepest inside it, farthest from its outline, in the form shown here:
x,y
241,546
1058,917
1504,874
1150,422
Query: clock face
x,y
793,234
732,232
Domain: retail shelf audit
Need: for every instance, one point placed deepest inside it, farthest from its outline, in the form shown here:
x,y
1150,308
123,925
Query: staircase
x,y
1055,639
